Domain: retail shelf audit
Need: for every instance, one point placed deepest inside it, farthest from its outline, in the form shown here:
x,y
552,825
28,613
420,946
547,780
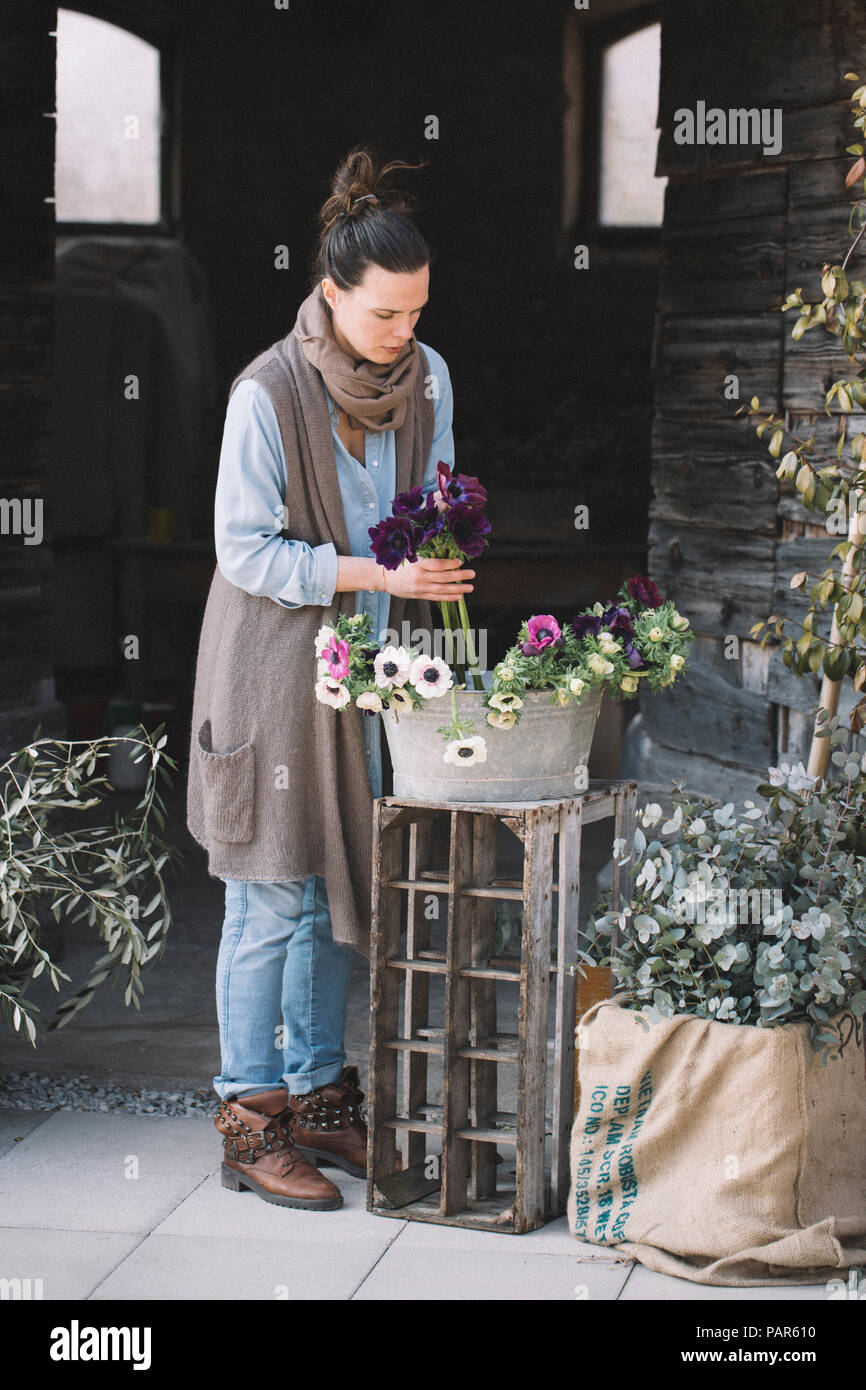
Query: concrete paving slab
x,y
202,1267
648,1284
552,1239
15,1125
68,1264
211,1209
410,1272
71,1172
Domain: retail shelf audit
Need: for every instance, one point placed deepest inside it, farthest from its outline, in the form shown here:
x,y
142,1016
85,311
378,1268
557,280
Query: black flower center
x,y
543,632
389,668
334,657
465,752
431,675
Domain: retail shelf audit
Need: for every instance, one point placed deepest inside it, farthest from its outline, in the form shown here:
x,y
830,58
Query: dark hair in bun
x,y
365,222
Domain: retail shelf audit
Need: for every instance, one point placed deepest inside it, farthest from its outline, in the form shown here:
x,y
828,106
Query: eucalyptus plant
x,y
756,917
102,873
831,487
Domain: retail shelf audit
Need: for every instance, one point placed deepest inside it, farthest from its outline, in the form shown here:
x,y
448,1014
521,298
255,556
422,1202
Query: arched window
x,y
611,75
629,194
108,160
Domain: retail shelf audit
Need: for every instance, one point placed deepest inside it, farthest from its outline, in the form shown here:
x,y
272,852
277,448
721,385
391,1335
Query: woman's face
x,y
377,318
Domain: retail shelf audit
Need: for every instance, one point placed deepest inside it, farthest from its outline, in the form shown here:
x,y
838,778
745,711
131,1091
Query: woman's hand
x,y
440,580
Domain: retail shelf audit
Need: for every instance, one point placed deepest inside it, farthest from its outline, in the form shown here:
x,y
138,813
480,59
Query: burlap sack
x,y
722,1153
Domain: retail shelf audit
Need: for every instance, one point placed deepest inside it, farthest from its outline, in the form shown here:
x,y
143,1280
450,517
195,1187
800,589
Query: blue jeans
x,y
277,956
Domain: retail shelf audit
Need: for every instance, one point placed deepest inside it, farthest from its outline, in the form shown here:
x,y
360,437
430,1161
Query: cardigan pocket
x,y
228,789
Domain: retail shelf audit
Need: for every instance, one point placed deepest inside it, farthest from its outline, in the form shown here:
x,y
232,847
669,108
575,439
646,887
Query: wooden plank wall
x,y
742,228
27,60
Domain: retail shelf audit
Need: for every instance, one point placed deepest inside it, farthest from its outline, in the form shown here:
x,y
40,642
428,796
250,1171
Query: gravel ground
x,y
27,1090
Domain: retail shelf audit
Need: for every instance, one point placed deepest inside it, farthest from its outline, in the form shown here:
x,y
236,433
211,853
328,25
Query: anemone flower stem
x,y
448,620
470,649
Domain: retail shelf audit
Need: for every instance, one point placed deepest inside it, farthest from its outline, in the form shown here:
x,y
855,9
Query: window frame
x,y
167,45
596,39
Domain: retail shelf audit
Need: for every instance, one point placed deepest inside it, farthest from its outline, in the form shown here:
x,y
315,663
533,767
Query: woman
x,y
322,429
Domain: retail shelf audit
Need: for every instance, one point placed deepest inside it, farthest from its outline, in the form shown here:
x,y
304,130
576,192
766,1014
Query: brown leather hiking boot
x,y
257,1135
328,1124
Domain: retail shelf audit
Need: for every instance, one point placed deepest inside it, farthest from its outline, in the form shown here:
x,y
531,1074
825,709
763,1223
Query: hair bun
x,y
365,220
355,203
360,185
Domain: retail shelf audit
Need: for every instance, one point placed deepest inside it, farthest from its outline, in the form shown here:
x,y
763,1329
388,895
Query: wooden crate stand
x,y
455,1182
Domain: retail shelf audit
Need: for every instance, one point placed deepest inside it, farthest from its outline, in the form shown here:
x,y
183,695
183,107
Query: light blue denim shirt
x,y
248,510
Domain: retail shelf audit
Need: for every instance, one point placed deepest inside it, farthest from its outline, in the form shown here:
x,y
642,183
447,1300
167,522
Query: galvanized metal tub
x,y
539,759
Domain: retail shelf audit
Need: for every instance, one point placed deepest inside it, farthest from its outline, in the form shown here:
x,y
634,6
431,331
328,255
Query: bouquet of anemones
x,y
613,645
449,525
352,668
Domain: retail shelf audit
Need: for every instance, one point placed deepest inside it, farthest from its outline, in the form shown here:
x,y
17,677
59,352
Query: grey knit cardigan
x,y
277,785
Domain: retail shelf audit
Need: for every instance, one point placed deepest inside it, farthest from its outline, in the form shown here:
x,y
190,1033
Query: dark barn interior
x,y
596,383
550,363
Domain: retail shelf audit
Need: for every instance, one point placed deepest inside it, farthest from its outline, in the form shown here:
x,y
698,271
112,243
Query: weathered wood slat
x,y
455,1068
433,967
695,355
718,472
819,183
482,1025
808,133
704,711
789,54
716,199
567,919
721,581
386,917
417,989
535,962
740,260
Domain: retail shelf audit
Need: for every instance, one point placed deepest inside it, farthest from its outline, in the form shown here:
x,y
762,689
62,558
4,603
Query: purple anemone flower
x,y
586,623
429,522
544,632
633,656
644,592
411,503
619,620
459,488
469,527
419,508
393,541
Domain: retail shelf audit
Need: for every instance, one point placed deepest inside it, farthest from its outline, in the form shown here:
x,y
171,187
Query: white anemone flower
x,y
502,719
400,701
597,663
332,693
466,751
430,676
391,666
370,701
504,700
323,637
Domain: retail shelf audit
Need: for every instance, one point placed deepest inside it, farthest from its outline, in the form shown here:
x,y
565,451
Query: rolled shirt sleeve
x,y
442,447
249,515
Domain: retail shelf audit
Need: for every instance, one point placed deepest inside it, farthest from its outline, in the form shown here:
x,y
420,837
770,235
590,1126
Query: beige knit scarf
x,y
373,396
